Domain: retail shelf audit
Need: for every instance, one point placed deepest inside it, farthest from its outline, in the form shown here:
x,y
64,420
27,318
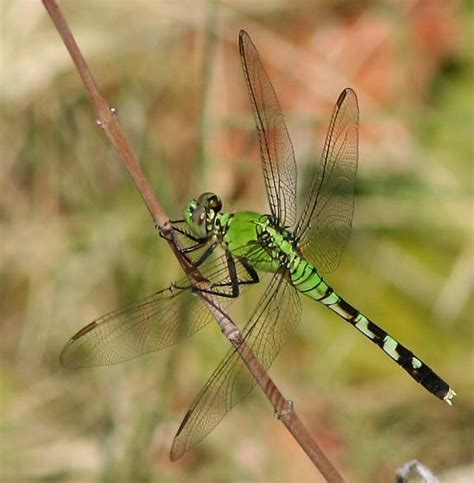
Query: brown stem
x,y
109,123
284,410
106,117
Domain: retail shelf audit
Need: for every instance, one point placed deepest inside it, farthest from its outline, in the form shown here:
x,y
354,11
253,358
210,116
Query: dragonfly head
x,y
200,214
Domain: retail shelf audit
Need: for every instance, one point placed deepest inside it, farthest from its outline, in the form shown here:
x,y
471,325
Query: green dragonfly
x,y
231,249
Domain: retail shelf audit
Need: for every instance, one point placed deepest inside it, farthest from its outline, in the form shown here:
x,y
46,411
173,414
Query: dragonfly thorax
x,y
200,215
279,243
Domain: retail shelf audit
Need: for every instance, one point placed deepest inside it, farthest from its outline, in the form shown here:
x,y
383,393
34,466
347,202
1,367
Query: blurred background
x,y
77,240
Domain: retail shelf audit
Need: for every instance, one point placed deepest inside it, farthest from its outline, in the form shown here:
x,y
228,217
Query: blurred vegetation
x,y
77,240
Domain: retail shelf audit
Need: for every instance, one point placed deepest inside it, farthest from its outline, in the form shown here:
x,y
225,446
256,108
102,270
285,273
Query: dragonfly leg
x,y
198,243
183,232
234,281
254,278
205,255
193,248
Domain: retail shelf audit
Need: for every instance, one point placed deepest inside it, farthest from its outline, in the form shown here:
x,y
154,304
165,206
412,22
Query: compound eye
x,y
210,201
215,203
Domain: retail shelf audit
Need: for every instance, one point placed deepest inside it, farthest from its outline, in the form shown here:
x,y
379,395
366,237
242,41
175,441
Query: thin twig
x,y
109,123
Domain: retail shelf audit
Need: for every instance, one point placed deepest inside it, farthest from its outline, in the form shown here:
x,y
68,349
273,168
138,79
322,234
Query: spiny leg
x,y
198,241
198,244
234,281
205,255
176,227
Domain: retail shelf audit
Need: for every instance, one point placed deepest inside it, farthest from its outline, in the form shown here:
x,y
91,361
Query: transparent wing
x,y
267,331
325,224
158,321
278,159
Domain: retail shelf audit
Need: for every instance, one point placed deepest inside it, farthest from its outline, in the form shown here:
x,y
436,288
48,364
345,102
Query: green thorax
x,y
254,237
269,248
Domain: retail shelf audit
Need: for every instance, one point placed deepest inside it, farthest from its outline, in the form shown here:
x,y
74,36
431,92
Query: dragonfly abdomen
x,y
307,280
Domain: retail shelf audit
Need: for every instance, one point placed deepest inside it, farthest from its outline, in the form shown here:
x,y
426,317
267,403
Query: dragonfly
x,y
234,249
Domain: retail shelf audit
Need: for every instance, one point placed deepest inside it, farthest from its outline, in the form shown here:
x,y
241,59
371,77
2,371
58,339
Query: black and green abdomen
x,y
307,281
271,249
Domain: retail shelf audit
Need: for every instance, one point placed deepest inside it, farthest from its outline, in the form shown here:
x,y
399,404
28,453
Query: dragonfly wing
x,y
156,322
325,224
278,159
269,328
160,320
